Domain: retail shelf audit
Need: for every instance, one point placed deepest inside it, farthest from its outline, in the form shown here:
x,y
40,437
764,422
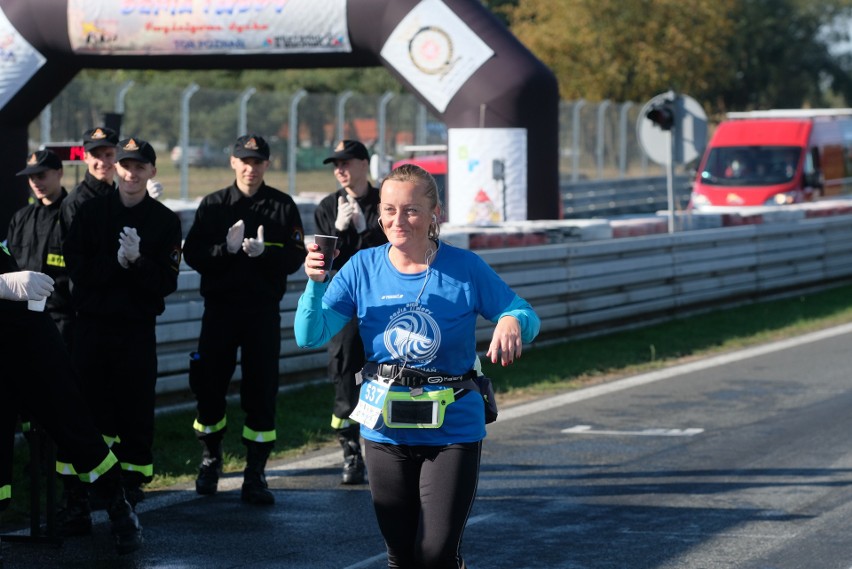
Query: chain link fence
x,y
597,140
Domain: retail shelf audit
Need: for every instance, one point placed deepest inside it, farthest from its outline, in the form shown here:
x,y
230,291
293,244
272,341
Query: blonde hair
x,y
422,179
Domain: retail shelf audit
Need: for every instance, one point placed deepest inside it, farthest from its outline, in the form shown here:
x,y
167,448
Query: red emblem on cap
x,y
98,134
33,159
251,144
131,145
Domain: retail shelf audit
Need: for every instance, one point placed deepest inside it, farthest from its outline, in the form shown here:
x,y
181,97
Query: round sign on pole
x,y
688,129
672,129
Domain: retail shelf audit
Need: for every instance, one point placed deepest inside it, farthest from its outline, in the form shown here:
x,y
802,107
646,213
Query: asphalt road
x,y
740,461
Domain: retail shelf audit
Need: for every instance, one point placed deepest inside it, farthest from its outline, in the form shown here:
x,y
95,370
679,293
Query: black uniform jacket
x,y
89,188
34,239
237,280
350,241
99,284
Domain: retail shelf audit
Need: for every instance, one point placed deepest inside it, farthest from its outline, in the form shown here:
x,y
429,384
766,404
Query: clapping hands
x,y
128,247
253,247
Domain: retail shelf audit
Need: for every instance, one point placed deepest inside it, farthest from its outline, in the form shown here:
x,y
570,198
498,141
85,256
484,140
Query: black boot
x,y
255,489
126,530
210,468
132,482
353,462
75,514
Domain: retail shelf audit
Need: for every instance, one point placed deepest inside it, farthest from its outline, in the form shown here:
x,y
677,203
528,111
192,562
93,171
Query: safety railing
x,y
598,198
581,289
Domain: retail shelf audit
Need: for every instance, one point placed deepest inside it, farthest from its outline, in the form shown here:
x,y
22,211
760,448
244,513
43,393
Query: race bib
x,y
371,401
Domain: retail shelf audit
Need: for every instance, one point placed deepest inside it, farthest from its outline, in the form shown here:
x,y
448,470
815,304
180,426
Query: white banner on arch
x,y
204,27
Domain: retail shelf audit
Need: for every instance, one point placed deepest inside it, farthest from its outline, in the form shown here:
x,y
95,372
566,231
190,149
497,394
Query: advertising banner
x,y
435,51
19,60
487,175
204,27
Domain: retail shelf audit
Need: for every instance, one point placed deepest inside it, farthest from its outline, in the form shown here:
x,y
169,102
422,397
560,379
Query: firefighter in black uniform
x,y
34,239
244,241
34,236
123,256
352,214
47,389
99,155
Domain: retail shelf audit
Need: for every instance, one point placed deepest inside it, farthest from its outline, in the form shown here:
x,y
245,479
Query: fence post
x,y
242,122
184,139
382,116
601,141
575,139
622,138
292,143
420,132
341,113
45,120
119,103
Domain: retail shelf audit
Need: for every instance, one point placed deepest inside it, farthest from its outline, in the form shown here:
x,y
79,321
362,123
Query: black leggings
x,y
423,496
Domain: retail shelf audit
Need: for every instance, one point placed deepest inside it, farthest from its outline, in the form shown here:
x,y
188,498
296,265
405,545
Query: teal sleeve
x,y
529,320
315,323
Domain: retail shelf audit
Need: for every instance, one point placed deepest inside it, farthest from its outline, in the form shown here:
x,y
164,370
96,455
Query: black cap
x,y
250,146
136,149
98,137
347,150
41,161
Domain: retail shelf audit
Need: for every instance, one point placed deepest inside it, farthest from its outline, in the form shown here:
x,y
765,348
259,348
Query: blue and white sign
x,y
19,60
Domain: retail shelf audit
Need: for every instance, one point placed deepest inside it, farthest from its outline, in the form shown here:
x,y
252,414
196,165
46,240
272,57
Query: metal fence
x,y
597,140
588,288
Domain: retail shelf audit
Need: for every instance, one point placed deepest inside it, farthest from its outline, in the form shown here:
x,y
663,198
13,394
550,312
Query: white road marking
x,y
588,430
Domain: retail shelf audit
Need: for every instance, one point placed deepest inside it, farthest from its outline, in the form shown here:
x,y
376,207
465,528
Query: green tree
x,y
730,54
780,55
624,49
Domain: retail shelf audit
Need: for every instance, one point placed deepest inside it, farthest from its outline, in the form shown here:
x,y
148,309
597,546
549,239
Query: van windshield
x,y
750,165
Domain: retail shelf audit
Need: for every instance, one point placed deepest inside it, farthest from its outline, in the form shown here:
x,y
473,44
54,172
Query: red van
x,y
776,157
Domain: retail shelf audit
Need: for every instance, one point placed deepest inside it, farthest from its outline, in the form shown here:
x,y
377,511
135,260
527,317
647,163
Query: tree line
x,y
728,54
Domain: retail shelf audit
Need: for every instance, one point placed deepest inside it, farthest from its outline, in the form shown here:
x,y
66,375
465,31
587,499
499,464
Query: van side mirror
x,y
813,180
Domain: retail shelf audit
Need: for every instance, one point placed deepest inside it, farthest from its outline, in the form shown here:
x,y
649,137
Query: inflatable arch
x,y
453,55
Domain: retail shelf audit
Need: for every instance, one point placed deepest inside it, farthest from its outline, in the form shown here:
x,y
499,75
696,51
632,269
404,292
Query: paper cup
x,y
36,305
327,244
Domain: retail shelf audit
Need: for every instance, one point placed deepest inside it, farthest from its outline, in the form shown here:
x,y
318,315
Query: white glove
x,y
129,239
359,222
234,240
155,188
25,285
122,257
344,214
254,247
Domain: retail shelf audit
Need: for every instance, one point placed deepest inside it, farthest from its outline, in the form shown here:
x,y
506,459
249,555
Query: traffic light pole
x,y
670,180
672,129
662,119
